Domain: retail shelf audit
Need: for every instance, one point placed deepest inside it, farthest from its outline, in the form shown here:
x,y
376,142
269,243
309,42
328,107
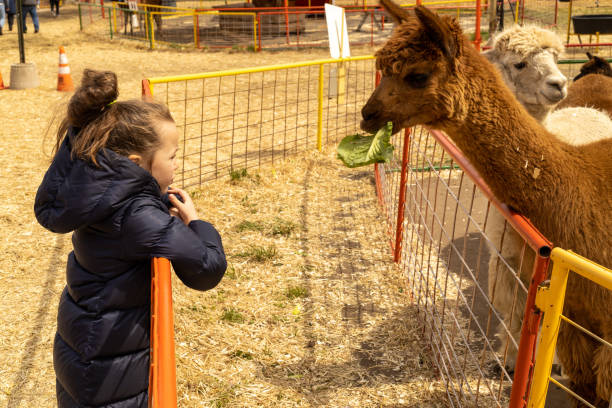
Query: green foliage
x,y
247,225
258,253
230,273
232,316
225,397
295,292
357,150
282,227
242,354
236,175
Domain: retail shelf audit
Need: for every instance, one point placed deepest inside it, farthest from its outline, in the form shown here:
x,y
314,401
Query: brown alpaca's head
x,y
595,65
419,66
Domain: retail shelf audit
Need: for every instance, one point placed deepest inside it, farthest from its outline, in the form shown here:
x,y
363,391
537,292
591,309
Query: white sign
x,y
338,33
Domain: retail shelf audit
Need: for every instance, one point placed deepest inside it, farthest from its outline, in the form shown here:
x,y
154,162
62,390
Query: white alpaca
x,y
526,57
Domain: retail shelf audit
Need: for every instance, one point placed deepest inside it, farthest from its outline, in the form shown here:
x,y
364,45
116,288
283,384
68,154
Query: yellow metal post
x,y
341,67
550,301
114,15
152,26
516,6
320,110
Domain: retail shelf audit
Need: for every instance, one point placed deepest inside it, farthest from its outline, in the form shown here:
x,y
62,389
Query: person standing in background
x,y
2,13
11,10
29,6
56,4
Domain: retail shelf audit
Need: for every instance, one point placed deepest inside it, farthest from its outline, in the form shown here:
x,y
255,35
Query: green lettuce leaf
x,y
357,150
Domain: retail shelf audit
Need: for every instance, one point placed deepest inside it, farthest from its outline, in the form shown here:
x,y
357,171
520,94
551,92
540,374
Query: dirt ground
x,y
311,313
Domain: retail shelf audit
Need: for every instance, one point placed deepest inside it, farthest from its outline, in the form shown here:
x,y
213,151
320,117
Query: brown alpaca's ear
x,y
398,13
438,31
589,55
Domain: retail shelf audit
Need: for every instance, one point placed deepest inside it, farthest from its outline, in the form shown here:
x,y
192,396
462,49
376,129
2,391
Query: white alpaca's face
x,y
535,79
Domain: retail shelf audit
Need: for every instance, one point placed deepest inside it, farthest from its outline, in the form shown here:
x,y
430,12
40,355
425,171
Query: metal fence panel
x,y
239,120
226,29
468,269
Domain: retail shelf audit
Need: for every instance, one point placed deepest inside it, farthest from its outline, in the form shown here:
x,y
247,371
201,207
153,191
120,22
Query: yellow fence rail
x,y
550,300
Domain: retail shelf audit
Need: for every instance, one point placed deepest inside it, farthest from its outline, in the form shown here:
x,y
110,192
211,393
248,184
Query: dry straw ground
x,y
311,312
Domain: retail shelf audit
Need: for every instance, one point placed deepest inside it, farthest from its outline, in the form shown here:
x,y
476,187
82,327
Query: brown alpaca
x,y
593,91
433,76
595,65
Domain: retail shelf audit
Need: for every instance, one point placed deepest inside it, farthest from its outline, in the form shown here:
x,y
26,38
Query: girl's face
x,y
163,162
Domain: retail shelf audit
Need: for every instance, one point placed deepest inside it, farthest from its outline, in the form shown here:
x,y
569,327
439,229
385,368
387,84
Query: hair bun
x,y
98,89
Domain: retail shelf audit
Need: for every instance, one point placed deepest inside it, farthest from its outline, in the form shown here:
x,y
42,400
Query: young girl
x,y
113,166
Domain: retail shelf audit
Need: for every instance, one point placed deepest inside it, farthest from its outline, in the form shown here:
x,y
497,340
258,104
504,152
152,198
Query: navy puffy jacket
x,y
101,349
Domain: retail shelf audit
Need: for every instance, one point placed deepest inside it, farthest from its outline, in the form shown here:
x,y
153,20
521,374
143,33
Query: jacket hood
x,y
76,193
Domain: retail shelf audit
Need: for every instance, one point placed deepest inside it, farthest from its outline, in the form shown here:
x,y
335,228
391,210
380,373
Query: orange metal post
x,y
399,227
259,30
529,334
477,39
287,19
162,372
197,30
146,90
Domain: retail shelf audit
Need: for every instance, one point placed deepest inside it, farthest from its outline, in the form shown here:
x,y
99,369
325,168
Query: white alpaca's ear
x,y
491,55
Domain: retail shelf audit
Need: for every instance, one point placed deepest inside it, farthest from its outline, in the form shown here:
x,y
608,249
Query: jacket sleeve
x,y
196,251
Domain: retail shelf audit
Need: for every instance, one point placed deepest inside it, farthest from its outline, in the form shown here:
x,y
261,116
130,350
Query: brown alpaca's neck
x,y
514,154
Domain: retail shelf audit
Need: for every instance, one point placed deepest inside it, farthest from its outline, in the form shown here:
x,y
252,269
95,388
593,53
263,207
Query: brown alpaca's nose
x,y
368,112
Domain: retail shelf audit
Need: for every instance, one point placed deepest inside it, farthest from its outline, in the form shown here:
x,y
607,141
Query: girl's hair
x,y
125,127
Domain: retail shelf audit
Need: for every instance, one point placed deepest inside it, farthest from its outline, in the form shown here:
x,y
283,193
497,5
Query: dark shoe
x,y
0,30
35,31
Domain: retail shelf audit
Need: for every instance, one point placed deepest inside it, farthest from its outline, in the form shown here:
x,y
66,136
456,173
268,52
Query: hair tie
x,y
109,104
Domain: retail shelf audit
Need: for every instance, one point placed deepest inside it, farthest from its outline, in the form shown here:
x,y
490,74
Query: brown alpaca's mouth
x,y
370,126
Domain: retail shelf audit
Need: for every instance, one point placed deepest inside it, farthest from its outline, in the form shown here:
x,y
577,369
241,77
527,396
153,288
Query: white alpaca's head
x,y
527,59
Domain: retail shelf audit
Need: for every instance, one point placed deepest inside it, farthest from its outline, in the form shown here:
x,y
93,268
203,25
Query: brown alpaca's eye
x,y
520,65
417,80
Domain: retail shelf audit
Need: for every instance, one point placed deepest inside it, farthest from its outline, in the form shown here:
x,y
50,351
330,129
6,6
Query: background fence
x,y
244,26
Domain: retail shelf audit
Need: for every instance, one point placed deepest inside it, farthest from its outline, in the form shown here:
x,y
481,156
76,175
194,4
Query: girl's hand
x,y
184,210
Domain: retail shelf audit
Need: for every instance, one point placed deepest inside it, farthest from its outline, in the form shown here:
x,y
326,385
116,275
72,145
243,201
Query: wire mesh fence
x,y
91,13
544,13
245,26
468,262
237,120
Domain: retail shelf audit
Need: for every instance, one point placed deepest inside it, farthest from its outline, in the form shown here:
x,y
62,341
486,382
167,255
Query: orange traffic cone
x,y
64,80
1,82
